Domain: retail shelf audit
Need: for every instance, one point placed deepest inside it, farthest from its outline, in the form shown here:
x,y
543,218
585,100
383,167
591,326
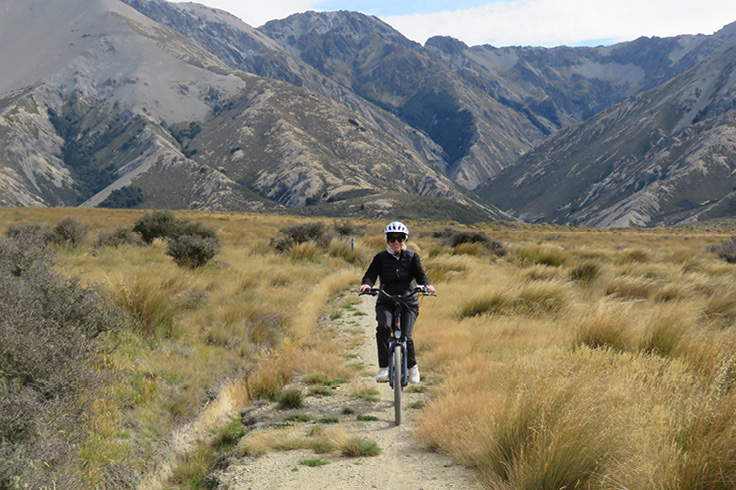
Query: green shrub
x,y
34,232
346,228
726,250
193,250
290,398
116,238
228,437
196,229
313,462
316,232
453,238
358,447
159,224
190,244
69,232
48,329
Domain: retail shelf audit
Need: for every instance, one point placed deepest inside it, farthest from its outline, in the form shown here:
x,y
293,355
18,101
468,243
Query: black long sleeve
x,y
396,276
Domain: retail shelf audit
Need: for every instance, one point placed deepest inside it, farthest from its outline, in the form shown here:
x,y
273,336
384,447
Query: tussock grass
x,y
149,302
592,359
542,255
350,445
631,288
529,299
290,398
446,267
626,381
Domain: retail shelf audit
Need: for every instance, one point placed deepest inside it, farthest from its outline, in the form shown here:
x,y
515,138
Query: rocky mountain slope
x,y
176,105
665,156
484,106
96,116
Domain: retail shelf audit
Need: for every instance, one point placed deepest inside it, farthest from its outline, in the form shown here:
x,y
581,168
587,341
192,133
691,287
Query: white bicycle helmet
x,y
396,227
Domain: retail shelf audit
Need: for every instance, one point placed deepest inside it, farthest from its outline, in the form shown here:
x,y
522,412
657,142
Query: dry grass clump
x,y
350,445
542,255
528,299
446,267
606,325
149,302
320,440
720,309
543,273
631,288
585,272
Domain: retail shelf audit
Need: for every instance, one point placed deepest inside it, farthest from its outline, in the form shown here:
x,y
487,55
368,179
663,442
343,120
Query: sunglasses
x,y
396,238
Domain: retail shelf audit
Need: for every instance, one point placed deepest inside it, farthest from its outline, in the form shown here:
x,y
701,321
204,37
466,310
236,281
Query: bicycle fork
x,y
397,339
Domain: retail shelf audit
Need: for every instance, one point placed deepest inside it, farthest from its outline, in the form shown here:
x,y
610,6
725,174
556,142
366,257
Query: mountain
x,y
93,116
483,106
153,104
662,157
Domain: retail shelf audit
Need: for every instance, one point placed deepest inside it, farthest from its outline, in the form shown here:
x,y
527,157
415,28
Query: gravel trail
x,y
403,464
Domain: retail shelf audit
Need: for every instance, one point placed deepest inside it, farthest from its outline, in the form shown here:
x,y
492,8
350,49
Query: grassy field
x,y
583,358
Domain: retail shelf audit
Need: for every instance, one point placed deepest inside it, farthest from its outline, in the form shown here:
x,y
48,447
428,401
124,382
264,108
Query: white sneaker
x,y
382,376
414,374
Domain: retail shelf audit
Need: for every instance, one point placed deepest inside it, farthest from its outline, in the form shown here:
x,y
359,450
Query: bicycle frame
x,y
397,361
397,340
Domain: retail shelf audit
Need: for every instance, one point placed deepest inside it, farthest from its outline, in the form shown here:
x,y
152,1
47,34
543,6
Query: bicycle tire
x,y
398,363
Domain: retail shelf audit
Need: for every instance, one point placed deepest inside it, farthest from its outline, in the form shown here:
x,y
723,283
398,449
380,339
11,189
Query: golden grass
x,y
597,359
589,359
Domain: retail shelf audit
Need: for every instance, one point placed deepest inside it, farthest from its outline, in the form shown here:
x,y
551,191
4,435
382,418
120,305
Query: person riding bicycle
x,y
398,268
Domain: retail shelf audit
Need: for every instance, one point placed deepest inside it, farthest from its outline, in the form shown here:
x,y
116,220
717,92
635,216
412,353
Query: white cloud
x,y
557,22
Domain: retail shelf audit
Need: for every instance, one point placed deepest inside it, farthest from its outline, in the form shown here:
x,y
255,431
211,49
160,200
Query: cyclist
x,y
398,268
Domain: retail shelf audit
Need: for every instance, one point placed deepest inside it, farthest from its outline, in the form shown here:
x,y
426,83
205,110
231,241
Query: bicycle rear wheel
x,y
398,363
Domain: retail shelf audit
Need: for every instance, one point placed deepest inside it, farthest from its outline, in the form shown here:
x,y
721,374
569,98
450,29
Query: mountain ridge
x,y
318,108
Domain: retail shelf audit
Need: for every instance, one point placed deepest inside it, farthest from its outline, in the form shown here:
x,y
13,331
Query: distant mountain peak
x,y
446,44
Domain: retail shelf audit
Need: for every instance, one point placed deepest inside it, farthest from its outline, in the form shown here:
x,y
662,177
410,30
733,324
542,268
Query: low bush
x,y
193,250
159,224
120,236
726,250
34,232
48,329
316,232
190,244
454,238
69,232
346,228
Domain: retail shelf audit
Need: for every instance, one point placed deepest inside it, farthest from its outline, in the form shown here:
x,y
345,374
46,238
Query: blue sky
x,y
514,22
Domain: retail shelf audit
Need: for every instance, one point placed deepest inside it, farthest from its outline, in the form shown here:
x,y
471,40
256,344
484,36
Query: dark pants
x,y
385,319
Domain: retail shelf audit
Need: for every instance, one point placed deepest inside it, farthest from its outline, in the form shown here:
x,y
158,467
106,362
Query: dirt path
x,y
403,463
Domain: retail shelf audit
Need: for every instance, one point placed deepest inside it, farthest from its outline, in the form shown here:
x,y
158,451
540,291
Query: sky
x,y
514,22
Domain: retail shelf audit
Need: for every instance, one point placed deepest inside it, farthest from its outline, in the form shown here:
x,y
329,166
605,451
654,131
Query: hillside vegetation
x,y
555,357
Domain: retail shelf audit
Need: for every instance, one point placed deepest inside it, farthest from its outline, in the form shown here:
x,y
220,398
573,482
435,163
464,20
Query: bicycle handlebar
x,y
417,289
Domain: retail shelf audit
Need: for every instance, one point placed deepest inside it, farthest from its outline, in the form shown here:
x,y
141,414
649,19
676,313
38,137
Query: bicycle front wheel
x,y
398,363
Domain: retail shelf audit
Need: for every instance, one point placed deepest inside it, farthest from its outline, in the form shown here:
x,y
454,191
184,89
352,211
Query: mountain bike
x,y
397,362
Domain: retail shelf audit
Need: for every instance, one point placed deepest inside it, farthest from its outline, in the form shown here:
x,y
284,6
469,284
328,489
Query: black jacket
x,y
396,276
